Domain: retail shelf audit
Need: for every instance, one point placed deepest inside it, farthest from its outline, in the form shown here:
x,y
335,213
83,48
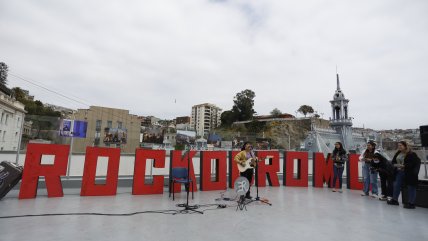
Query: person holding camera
x,y
369,173
406,169
339,158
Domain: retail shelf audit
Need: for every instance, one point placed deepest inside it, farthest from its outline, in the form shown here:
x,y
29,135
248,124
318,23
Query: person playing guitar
x,y
246,161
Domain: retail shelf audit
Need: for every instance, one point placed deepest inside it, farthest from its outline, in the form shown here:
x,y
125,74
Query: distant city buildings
x,y
269,117
108,127
66,112
205,117
147,121
183,123
12,115
182,120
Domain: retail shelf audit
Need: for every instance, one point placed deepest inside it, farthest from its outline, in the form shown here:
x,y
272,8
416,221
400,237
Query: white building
x,y
205,117
12,115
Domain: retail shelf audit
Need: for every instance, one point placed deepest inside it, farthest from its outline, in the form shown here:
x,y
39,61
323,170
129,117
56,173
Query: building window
x,y
119,125
2,117
7,117
109,124
97,138
4,135
98,124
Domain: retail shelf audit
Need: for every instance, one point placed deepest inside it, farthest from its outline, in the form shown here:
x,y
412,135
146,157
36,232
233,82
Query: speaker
x,y
421,194
424,135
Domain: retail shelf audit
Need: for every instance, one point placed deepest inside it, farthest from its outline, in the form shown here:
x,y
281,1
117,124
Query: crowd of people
x,y
401,171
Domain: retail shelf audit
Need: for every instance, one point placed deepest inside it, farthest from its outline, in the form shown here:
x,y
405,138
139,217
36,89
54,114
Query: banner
x,y
115,136
73,128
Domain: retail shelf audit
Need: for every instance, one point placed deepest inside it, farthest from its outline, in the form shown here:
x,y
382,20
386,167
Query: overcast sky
x,y
160,57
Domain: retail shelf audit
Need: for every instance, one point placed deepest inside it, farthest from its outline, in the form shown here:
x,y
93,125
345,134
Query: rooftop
x,y
296,214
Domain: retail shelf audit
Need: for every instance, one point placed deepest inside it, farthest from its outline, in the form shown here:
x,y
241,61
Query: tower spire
x,y
337,77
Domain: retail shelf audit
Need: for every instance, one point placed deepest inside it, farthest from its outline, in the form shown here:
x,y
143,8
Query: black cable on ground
x,y
170,212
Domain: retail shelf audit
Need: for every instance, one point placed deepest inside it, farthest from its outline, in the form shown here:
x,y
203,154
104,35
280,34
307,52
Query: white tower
x,y
340,120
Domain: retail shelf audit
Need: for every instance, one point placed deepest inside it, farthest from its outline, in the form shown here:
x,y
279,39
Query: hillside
x,y
275,130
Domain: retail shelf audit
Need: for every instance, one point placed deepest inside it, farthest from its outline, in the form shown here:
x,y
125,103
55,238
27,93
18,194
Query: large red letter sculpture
x,y
322,170
181,161
302,169
268,171
139,187
33,169
352,173
233,169
89,188
220,170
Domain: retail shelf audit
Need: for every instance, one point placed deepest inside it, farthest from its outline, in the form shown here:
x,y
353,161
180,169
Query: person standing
x,y
245,154
406,169
385,170
339,158
369,175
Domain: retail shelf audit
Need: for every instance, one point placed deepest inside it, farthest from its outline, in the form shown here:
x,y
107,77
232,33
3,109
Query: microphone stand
x,y
186,206
257,199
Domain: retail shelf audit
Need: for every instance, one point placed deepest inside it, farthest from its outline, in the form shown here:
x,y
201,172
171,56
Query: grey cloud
x,y
142,55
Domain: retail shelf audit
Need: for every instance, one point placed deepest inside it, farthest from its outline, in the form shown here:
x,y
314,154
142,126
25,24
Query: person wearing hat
x,y
406,169
369,174
385,170
339,158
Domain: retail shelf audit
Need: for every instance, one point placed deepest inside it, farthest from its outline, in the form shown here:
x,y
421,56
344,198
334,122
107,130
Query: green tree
x,y
19,94
3,73
33,107
305,109
243,107
227,118
275,112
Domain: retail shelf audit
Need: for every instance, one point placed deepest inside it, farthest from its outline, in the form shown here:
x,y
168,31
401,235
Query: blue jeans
x,y
369,177
397,185
338,172
411,190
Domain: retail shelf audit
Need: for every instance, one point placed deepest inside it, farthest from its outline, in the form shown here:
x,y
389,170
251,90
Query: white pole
x,y
69,157
71,147
20,139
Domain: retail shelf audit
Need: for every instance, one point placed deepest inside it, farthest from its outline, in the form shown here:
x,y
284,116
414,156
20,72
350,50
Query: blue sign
x,y
73,128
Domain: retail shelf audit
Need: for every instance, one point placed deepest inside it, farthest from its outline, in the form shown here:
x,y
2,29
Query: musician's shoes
x,y
248,197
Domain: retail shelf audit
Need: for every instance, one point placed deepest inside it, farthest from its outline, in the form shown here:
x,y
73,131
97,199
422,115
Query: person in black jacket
x,y
339,158
406,169
386,174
